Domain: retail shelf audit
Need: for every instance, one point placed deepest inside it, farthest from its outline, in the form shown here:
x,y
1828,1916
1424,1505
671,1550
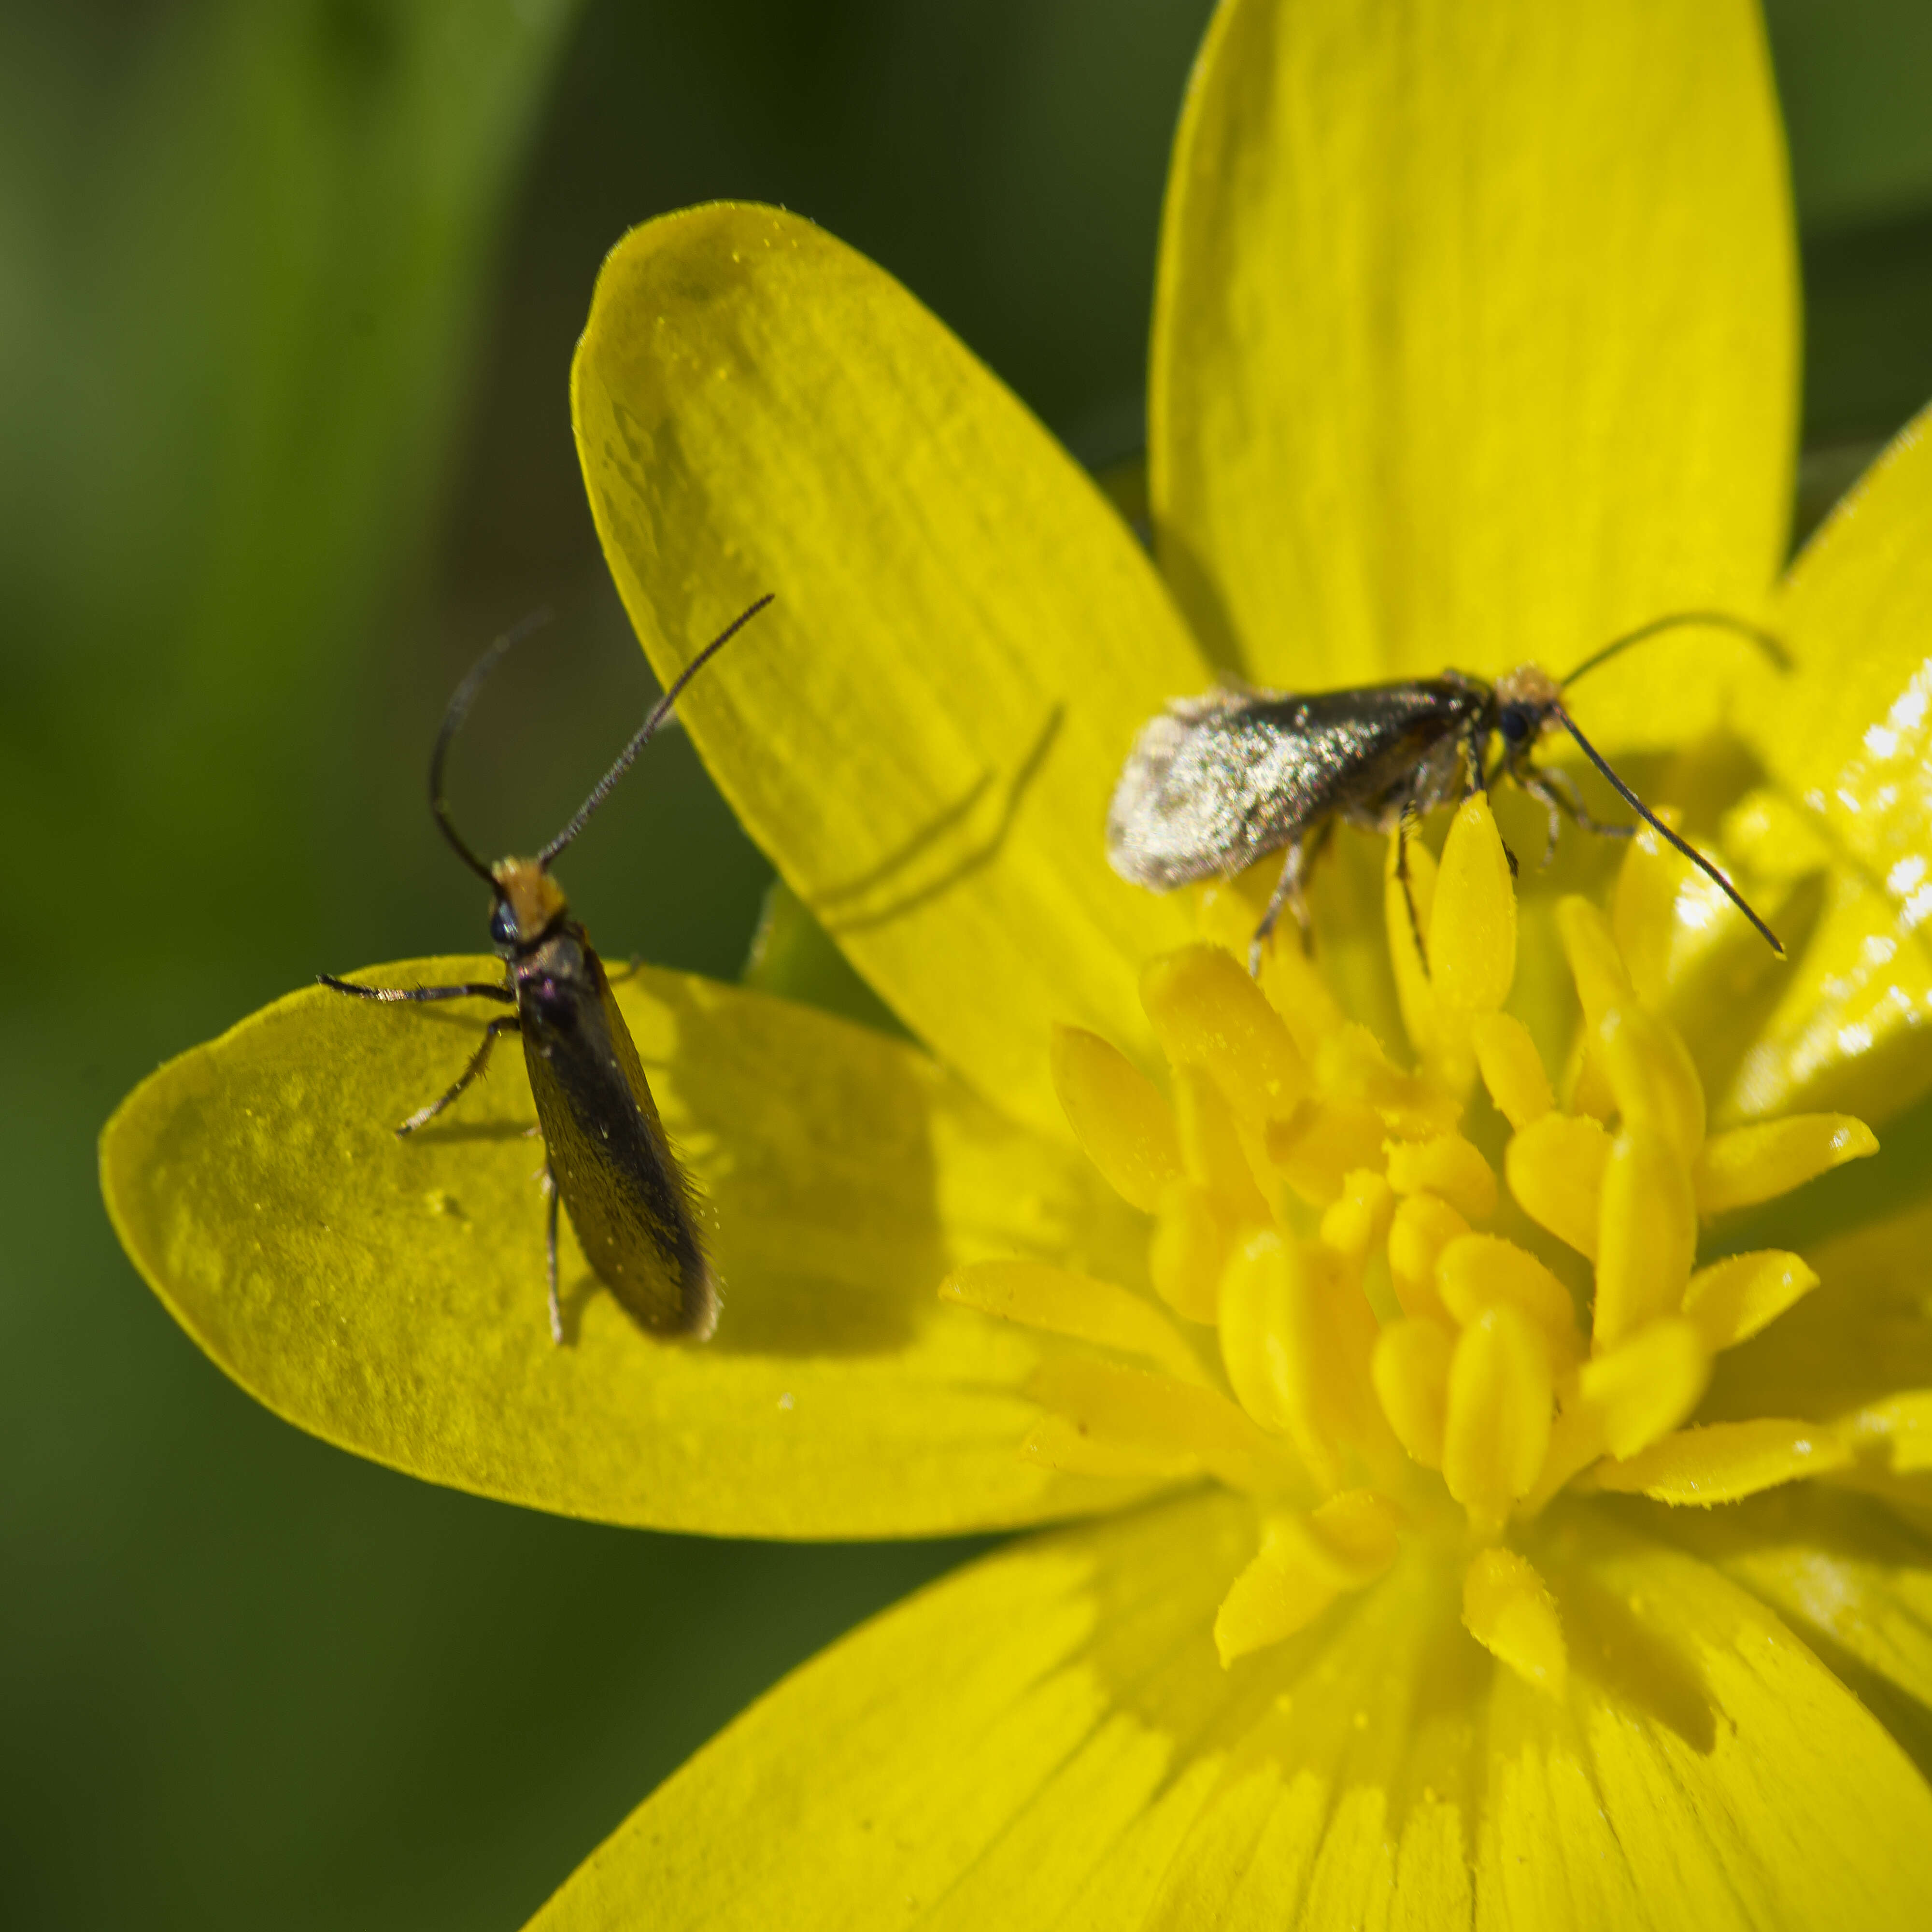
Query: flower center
x,y
1358,1322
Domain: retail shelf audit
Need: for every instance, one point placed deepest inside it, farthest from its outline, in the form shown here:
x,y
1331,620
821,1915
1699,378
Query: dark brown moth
x,y
1217,782
606,1157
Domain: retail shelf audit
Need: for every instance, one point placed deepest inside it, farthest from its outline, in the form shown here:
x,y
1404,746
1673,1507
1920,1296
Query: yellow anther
x,y
1643,1389
1725,1461
1479,1271
1497,1427
1447,1166
1208,1012
1423,1226
1732,1299
1472,921
1352,1066
1512,1069
1287,1361
1596,965
1303,1565
1555,1168
1651,1072
1065,1303
1411,1371
1193,1235
1211,1149
1643,909
1353,1536
1297,991
1117,1115
1646,1237
1508,1609
1748,1165
1325,1141
1358,1221
1165,1418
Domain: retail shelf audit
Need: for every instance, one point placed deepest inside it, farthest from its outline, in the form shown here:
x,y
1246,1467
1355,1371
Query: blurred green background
x,y
287,296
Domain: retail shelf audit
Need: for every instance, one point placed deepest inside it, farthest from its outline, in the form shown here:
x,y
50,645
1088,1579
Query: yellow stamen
x,y
1193,1236
1651,1077
1647,1236
1065,1303
1512,1069
1447,1166
1475,1272
1732,1299
1423,1226
1748,1165
1305,1562
1157,1415
1555,1168
1211,1149
1508,1609
1489,1394
1117,1115
1209,1013
1411,1368
1644,1388
1497,1424
1724,1462
1472,921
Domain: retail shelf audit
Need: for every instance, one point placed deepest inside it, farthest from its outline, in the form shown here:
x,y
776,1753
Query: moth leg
x,y
1287,892
390,994
480,1059
1559,783
1404,826
1476,778
550,1255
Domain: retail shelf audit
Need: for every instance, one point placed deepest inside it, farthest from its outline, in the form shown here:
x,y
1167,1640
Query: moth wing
x,y
1214,783
628,1199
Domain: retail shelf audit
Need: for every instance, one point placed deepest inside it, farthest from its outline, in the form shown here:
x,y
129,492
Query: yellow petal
x,y
1849,1576
1447,1166
1410,1366
1708,1769
988,1747
924,730
1472,345
1480,1271
389,1295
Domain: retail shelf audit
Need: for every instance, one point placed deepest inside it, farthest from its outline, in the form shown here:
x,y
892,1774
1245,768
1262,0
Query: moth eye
x,y
503,924
1514,724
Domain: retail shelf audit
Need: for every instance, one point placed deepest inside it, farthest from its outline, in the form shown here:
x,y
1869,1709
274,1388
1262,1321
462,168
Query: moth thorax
x,y
1530,689
533,897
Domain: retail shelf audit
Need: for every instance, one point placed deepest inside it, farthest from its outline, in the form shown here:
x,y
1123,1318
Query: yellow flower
x,y
1398,1421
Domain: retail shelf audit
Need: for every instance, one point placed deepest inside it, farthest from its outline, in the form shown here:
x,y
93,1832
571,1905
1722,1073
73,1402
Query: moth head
x,y
529,903
1529,703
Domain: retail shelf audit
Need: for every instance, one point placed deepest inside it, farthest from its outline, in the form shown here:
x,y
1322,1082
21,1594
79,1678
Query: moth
x,y
1217,782
606,1158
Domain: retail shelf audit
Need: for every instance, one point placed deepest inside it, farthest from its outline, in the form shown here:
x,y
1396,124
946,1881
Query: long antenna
x,y
1664,832
659,712
1721,620
458,709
